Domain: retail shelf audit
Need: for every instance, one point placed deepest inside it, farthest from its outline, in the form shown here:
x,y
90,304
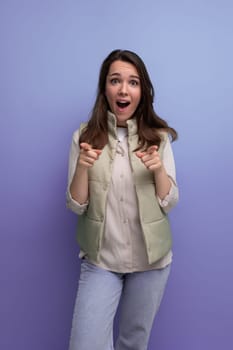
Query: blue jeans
x,y
98,297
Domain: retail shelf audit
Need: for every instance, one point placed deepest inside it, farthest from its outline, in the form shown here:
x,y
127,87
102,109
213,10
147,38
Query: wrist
x,y
159,171
80,168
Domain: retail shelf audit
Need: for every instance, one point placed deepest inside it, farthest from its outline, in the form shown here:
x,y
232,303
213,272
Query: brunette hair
x,y
149,123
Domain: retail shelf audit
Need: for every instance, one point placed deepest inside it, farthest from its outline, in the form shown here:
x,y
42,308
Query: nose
x,y
123,89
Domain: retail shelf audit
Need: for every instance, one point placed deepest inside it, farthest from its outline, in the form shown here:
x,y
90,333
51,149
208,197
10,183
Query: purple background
x,y
50,56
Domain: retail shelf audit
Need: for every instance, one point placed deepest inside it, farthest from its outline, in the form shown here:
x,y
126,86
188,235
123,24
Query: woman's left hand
x,y
150,158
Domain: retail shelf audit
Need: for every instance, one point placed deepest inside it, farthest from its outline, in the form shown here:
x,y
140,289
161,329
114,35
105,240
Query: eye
x,y
114,81
134,82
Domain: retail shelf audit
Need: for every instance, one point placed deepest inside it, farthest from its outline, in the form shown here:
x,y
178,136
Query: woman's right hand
x,y
87,156
79,183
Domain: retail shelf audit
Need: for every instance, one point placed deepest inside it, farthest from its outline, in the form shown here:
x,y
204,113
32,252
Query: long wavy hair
x,y
149,123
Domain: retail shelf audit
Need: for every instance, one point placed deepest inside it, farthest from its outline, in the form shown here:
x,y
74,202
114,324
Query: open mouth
x,y
122,104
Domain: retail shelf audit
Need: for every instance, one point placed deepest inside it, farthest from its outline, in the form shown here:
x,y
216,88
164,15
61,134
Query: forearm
x,y
79,185
162,181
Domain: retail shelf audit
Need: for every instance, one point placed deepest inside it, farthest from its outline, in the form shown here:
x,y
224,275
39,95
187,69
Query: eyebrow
x,y
131,76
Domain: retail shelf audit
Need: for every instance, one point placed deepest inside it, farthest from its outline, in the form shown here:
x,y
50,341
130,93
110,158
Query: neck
x,y
121,126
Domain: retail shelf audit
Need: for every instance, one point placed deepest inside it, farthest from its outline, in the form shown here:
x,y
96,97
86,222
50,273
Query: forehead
x,y
122,67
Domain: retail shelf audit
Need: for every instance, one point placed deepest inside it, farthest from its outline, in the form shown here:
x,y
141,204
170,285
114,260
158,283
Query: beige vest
x,y
154,222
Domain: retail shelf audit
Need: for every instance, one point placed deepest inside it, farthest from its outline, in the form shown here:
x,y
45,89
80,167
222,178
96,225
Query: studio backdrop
x,y
51,53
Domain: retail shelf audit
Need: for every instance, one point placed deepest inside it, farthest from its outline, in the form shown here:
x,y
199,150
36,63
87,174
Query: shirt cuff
x,y
75,206
171,198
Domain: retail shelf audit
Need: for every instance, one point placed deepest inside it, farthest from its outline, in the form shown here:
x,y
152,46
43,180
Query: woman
x,y
122,184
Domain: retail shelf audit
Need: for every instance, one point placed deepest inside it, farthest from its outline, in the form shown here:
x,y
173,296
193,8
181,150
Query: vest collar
x,y
112,125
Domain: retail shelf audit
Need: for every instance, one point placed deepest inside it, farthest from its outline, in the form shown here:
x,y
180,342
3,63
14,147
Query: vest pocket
x,y
158,239
97,200
150,210
88,236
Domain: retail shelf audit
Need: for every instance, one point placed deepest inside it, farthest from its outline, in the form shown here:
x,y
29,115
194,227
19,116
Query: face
x,y
123,90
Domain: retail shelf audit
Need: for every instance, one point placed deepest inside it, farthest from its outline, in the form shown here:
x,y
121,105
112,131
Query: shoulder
x,y
165,145
164,135
78,132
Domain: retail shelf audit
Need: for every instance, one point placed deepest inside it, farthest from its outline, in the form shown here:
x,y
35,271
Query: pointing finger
x,y
85,146
152,149
139,154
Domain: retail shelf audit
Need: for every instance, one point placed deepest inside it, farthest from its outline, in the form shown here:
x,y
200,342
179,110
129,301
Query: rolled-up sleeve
x,y
71,204
172,197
